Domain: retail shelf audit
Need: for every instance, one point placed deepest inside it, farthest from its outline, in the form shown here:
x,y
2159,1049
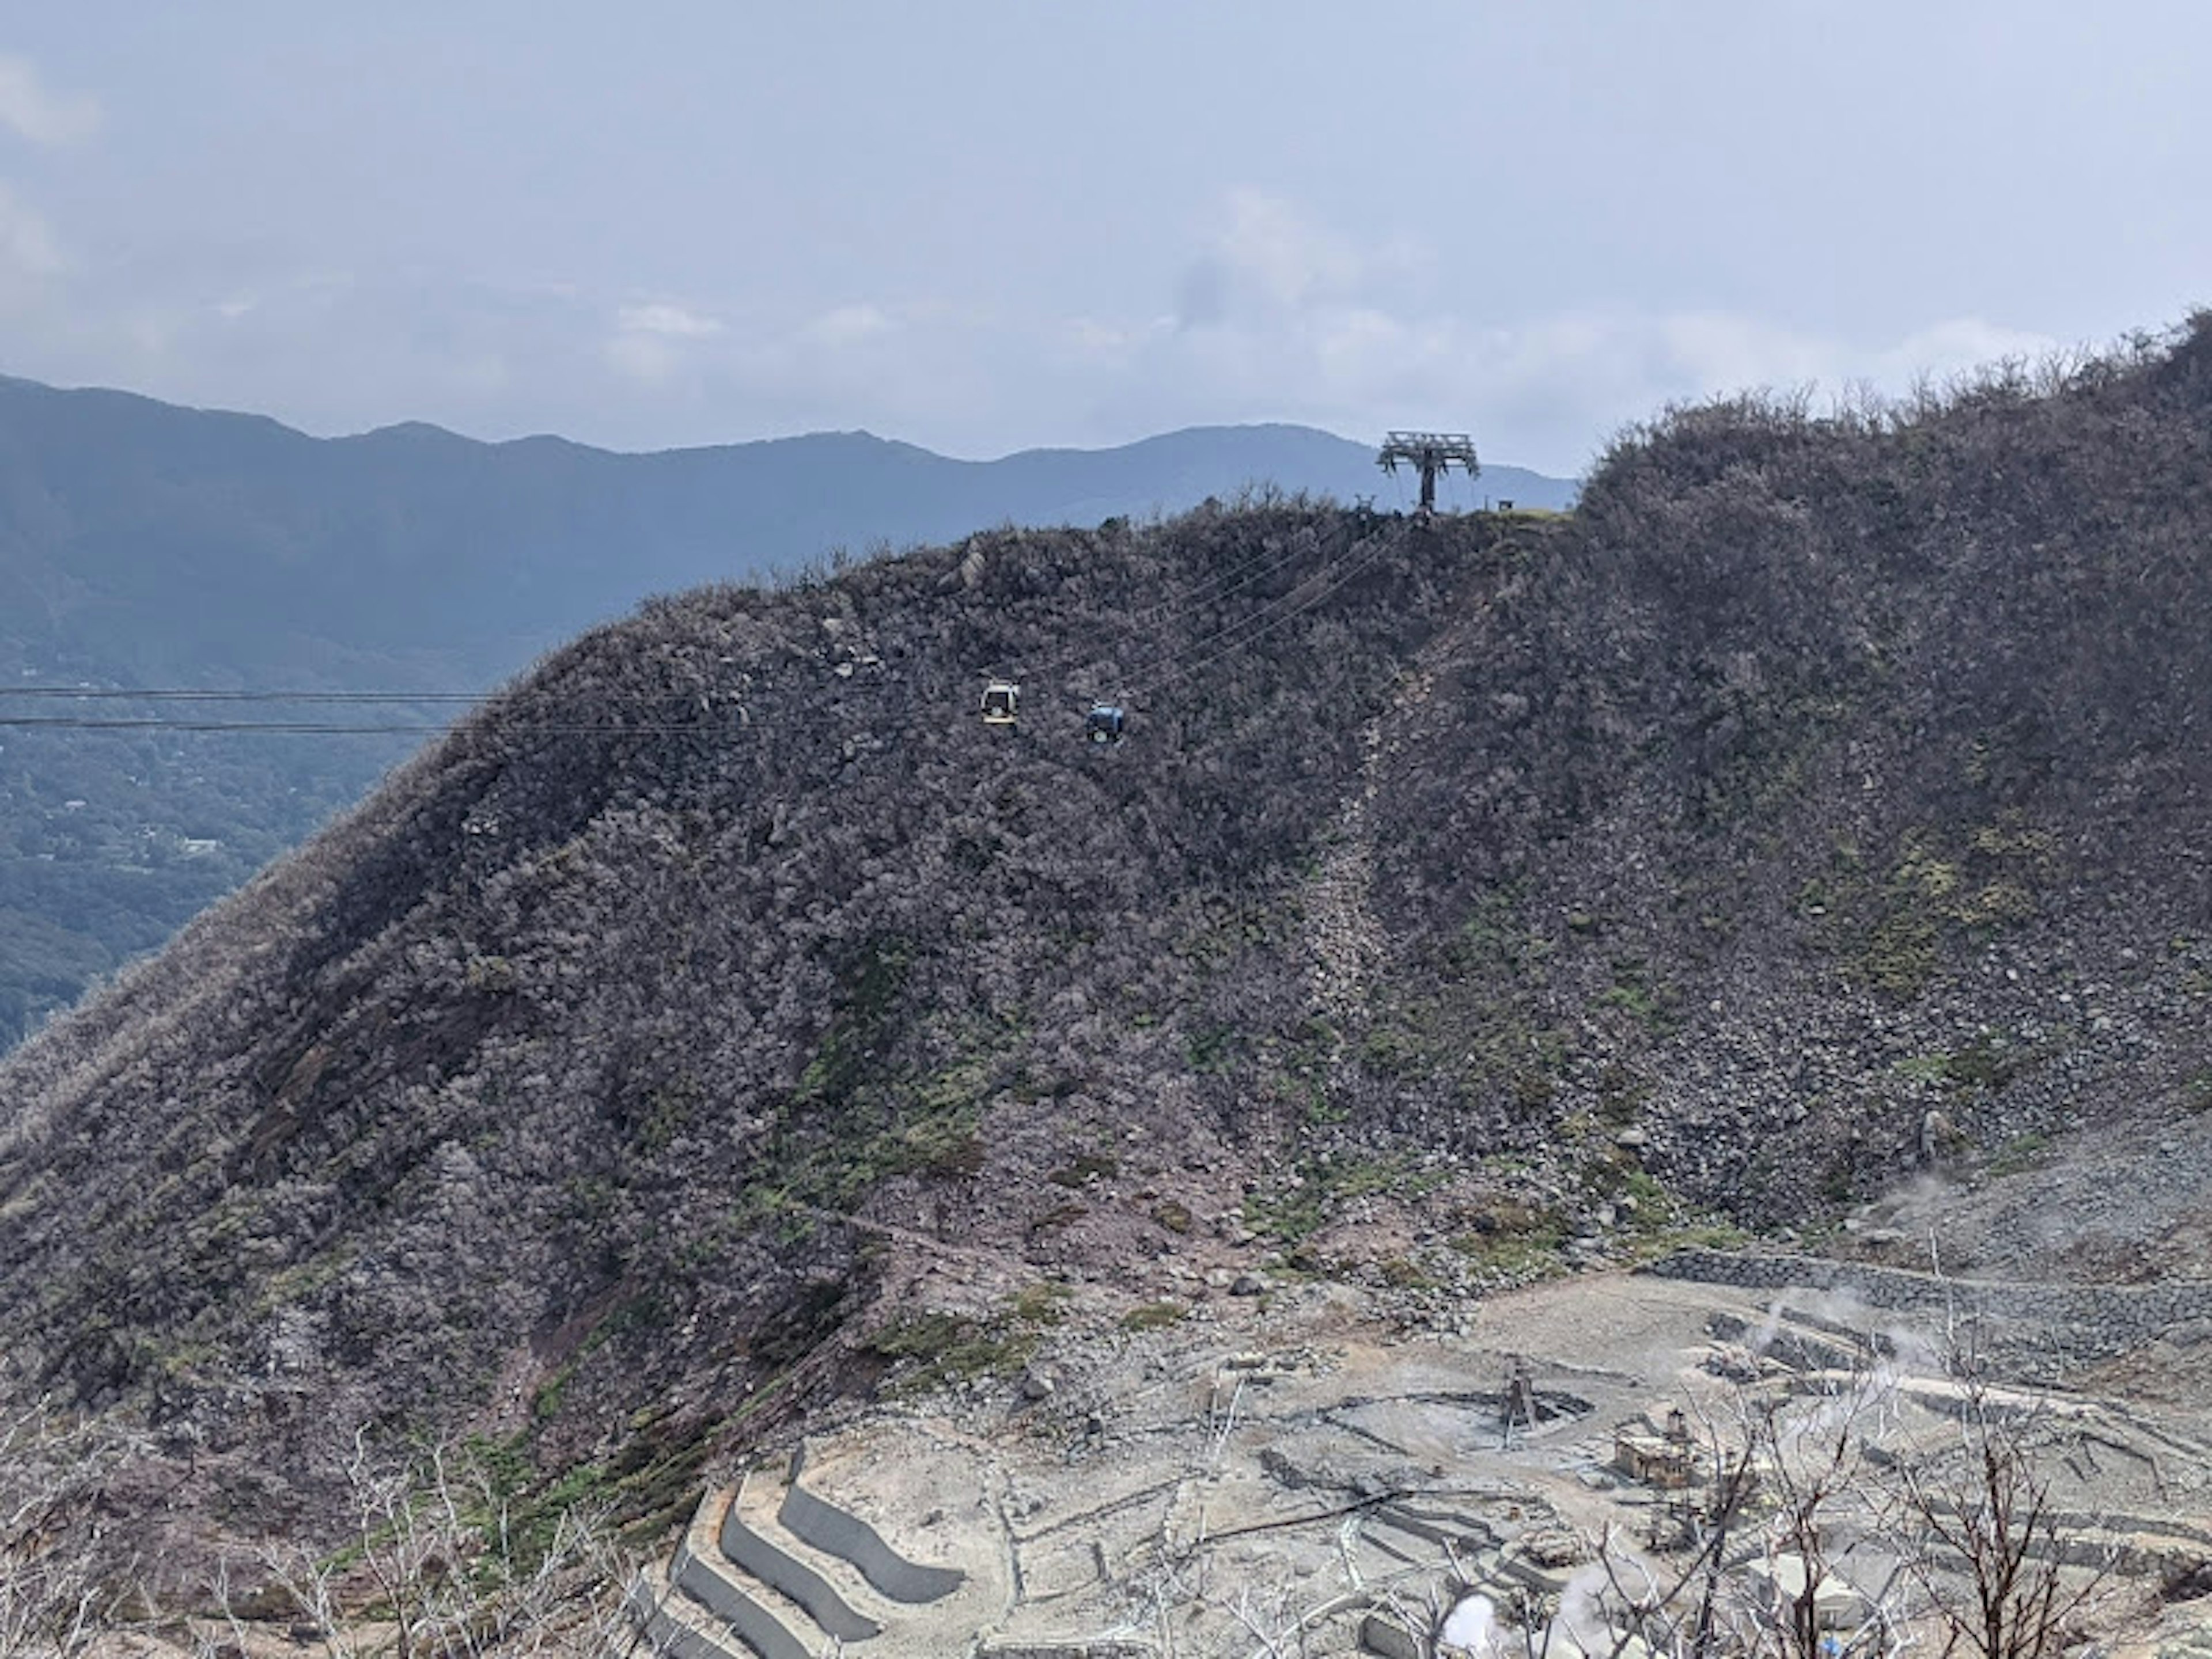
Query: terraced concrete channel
x,y
1303,1481
1093,1566
787,1580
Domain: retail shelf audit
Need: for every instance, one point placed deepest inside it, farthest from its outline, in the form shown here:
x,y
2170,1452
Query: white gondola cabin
x,y
1001,703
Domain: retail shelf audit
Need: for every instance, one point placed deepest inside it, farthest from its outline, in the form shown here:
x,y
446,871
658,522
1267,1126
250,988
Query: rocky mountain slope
x,y
675,1045
145,546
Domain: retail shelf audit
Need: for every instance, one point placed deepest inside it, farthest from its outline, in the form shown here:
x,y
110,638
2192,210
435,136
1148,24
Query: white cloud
x,y
1302,323
1955,346
1717,351
656,341
849,325
668,321
646,358
29,254
1279,317
1285,254
1266,254
39,115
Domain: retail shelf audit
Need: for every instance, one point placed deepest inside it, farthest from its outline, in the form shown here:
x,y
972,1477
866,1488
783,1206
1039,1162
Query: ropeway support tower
x,y
1431,452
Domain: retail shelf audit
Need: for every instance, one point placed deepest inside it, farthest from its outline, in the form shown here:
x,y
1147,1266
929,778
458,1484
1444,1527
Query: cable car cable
x,y
1243,575
155,723
1149,674
180,694
1240,575
1257,621
1230,650
1166,652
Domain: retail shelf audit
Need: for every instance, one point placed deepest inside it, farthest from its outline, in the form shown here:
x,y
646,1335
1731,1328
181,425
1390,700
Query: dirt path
x,y
1348,944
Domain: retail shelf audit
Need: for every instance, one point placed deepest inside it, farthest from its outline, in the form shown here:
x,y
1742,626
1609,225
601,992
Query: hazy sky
x,y
983,227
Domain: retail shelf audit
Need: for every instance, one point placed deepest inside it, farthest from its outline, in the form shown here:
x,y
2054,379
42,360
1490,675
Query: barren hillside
x,y
1467,896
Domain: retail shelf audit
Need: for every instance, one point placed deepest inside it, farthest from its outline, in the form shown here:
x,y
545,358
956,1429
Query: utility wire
x,y
1185,670
1237,576
1287,607
194,694
1159,669
1143,672
48,695
161,723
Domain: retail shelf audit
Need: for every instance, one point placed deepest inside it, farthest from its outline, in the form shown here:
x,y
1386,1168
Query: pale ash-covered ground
x,y
1247,1480
1268,1471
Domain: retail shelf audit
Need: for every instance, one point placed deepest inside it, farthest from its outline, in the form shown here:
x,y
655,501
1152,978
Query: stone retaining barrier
x,y
2079,1324
722,1595
787,1572
837,1532
665,1633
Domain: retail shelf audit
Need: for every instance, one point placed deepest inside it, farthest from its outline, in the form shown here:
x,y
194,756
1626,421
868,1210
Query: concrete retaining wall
x,y
836,1531
672,1638
720,1594
666,1635
782,1571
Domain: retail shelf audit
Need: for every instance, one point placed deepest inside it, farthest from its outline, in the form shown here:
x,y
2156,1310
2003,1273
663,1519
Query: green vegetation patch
x,y
1172,1215
1044,1302
1482,1028
930,1350
1084,1167
1986,1065
869,991
1512,1239
1154,1316
936,1348
1889,926
1304,1203
300,1281
2021,1153
2197,1094
857,1119
1641,992
1686,1228
498,1491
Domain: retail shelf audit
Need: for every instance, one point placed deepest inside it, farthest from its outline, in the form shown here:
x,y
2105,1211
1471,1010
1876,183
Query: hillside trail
x,y
1347,945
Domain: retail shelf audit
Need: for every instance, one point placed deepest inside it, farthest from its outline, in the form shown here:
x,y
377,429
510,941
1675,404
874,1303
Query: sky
x,y
988,225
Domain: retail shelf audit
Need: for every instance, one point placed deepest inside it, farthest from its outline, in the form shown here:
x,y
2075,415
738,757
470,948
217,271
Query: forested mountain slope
x,y
1529,881
147,546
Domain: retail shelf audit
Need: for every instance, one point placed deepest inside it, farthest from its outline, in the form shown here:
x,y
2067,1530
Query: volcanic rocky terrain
x,y
725,1029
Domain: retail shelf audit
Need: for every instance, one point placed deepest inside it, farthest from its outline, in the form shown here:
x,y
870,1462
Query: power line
x,y
155,723
1266,562
1378,547
161,723
196,693
1145,670
1159,669
50,695
1168,664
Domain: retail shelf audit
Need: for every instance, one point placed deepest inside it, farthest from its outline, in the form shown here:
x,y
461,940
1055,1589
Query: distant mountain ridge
x,y
136,534
147,545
